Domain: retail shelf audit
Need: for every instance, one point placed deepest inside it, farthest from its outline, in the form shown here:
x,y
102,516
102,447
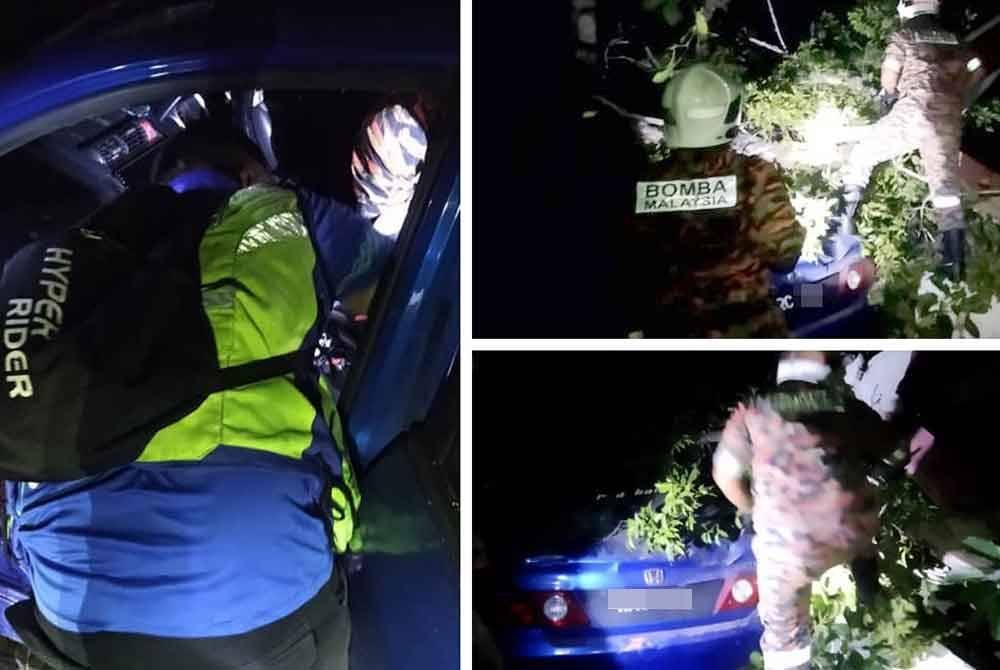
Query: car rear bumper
x,y
850,319
721,646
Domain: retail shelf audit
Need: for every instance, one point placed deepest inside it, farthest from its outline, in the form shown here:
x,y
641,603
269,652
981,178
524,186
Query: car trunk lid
x,y
621,587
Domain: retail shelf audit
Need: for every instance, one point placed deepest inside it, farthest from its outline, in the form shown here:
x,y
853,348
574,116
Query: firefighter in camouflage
x,y
930,72
796,459
708,225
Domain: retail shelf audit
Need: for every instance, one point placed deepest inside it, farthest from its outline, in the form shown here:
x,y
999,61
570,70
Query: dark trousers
x,y
314,637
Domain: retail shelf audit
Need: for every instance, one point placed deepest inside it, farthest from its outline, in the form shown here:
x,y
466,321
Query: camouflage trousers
x,y
784,586
907,128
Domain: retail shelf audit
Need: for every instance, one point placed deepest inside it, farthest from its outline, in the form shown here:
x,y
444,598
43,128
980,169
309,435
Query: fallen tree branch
x,y
769,47
777,29
650,120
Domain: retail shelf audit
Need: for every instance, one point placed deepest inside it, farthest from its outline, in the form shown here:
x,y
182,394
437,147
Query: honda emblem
x,y
653,577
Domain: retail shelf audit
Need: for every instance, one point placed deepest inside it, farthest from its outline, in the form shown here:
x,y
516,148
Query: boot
x,y
842,219
953,254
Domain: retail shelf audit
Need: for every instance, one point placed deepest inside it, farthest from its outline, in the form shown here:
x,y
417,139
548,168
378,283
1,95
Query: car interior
x,y
62,177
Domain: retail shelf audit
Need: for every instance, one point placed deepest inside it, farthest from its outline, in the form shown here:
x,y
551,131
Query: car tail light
x,y
857,277
551,609
522,614
738,593
561,610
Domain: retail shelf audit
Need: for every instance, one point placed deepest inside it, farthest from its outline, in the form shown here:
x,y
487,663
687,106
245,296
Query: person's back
x,y
808,472
796,458
709,226
933,60
219,542
808,446
227,476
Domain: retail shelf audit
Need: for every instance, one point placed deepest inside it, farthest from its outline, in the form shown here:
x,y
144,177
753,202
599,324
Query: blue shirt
x,y
190,549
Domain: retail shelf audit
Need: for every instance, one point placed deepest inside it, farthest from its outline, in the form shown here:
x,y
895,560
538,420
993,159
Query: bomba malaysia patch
x,y
686,195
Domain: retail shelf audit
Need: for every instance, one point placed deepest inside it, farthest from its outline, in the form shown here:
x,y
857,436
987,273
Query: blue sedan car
x,y
828,296
618,607
84,115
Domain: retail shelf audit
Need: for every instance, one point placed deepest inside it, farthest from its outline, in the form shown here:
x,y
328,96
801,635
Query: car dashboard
x,y
62,178
109,153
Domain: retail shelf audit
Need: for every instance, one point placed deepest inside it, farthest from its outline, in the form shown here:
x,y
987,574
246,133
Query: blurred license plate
x,y
649,599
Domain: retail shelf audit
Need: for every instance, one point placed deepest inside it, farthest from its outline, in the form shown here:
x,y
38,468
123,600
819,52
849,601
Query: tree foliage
x,y
816,102
838,69
676,520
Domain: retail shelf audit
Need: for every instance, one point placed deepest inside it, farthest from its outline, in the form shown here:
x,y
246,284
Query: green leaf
x,y
650,5
700,24
663,75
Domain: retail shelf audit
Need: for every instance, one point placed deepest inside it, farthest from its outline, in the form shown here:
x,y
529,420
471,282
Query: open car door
x,y
400,408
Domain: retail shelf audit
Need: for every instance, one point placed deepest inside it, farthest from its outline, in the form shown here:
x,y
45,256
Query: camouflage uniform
x,y
386,167
706,228
929,65
812,506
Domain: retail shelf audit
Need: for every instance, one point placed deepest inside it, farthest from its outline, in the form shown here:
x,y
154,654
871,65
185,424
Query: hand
x,y
338,342
745,521
920,444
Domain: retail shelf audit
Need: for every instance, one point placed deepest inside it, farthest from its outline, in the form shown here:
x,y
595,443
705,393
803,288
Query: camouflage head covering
x,y
386,167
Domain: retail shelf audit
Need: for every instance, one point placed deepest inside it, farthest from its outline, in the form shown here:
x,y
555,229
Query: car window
x,y
320,142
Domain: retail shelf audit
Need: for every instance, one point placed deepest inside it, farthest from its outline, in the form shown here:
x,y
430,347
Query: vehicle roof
x,y
34,28
117,47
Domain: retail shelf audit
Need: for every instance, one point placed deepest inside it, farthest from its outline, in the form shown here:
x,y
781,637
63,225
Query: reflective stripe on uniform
x,y
344,509
945,201
276,228
727,465
785,660
802,370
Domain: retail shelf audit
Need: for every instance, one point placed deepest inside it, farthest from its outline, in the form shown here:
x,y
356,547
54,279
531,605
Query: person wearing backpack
x,y
216,542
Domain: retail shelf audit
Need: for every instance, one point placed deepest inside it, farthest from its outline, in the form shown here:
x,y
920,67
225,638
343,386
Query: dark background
x,y
551,430
544,247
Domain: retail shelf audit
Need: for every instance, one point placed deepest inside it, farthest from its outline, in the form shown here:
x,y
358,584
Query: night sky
x,y
553,429
570,403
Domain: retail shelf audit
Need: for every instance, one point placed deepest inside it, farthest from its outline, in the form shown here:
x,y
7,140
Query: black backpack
x,y
104,339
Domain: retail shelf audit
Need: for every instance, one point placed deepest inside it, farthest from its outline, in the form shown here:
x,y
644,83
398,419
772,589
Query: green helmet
x,y
702,107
